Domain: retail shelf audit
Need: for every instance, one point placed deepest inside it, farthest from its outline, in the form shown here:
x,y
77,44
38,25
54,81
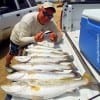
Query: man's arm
x,y
53,28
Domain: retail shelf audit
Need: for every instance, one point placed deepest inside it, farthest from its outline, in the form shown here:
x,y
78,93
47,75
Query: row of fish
x,y
44,72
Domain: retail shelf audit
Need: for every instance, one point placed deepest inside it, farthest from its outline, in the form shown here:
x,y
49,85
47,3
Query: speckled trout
x,y
53,55
40,60
41,67
43,47
35,50
20,76
39,57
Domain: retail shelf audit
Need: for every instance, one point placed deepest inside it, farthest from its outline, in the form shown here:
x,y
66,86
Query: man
x,y
31,28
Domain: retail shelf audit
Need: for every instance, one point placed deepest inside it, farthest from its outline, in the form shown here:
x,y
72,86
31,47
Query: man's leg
x,y
13,50
9,57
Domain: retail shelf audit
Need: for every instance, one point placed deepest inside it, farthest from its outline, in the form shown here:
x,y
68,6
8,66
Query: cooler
x,y
89,41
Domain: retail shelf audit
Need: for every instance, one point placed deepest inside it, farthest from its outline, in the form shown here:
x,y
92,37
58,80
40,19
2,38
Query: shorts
x,y
13,48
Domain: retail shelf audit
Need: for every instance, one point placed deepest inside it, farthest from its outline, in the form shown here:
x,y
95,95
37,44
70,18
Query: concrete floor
x,y
3,72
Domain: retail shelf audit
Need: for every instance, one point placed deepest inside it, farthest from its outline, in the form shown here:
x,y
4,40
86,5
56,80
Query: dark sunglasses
x,y
48,15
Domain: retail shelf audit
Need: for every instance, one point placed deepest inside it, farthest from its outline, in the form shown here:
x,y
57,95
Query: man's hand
x,y
39,37
53,37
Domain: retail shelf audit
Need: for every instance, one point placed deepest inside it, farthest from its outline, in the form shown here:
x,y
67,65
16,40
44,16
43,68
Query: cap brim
x,y
53,9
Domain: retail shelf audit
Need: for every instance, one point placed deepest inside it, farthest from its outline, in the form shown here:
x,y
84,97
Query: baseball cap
x,y
49,5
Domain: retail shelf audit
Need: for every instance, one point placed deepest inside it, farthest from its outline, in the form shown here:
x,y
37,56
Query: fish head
x,y
15,76
12,88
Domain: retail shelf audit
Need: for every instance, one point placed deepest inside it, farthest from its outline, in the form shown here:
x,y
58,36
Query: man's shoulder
x,y
29,17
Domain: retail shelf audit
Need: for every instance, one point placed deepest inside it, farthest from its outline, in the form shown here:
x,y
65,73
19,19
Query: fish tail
x,y
78,75
87,78
69,58
72,66
65,53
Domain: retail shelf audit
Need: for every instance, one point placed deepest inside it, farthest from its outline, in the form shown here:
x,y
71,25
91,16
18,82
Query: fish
x,y
46,90
34,50
41,67
22,58
53,55
43,47
44,44
40,58
20,76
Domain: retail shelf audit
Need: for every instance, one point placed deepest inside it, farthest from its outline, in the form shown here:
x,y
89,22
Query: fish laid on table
x,y
41,67
32,50
20,76
41,60
40,57
22,58
53,55
43,47
45,89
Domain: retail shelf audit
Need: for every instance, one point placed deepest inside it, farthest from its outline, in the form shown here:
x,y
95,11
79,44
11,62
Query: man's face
x,y
45,15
